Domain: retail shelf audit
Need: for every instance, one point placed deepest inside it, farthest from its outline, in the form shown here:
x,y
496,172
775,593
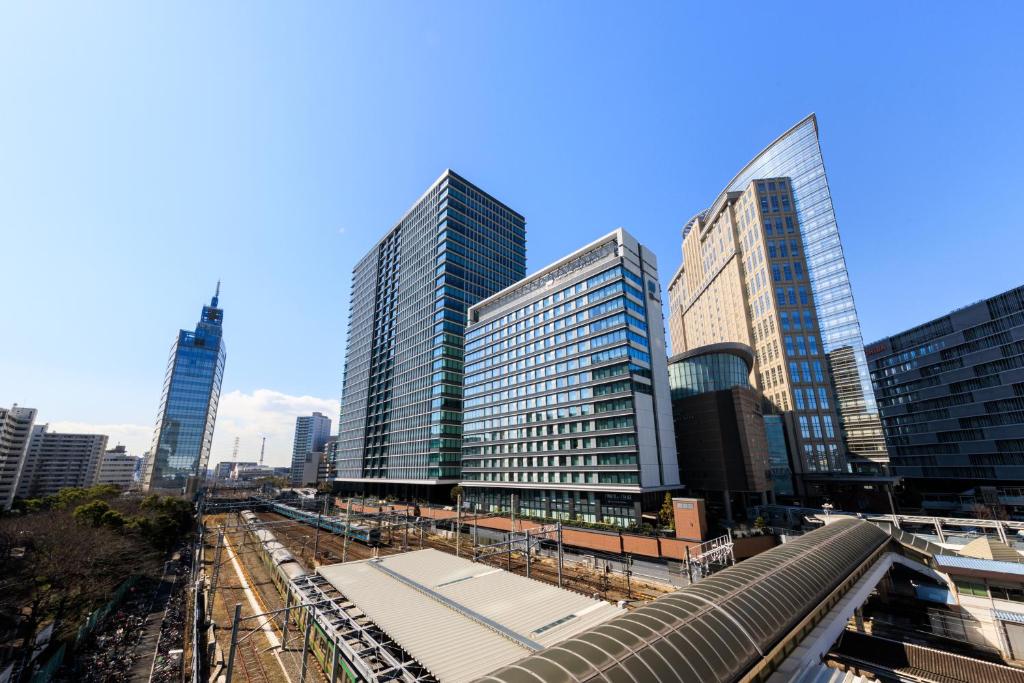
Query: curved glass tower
x,y
188,408
796,155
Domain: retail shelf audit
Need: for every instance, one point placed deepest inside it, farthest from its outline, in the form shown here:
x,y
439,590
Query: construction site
x,y
255,552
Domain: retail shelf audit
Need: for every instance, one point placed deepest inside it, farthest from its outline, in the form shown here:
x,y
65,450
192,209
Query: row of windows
x,y
800,348
567,412
562,382
544,446
554,477
813,425
790,296
588,314
475,337
543,430
558,339
539,462
583,346
538,330
805,399
551,400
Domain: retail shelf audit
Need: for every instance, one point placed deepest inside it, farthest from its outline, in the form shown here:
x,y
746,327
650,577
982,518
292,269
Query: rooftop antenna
x,y
216,295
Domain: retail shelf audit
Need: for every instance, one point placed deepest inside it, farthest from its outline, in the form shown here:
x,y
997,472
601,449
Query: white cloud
x,y
242,415
136,438
264,411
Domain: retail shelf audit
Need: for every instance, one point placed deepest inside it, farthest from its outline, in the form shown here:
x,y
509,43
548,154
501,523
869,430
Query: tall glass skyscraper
x,y
796,156
188,407
401,404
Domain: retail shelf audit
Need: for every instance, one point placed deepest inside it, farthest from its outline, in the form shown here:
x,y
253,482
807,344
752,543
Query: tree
x,y
91,512
65,569
456,493
760,524
667,515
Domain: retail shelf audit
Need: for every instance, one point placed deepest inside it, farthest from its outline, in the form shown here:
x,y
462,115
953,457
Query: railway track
x,y
254,663
251,663
299,540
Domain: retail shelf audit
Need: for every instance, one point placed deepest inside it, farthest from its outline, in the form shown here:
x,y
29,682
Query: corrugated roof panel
x,y
997,566
1003,615
460,619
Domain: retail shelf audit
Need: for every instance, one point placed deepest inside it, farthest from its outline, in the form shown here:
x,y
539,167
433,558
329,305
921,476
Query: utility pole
x,y
476,533
316,540
234,641
558,529
528,553
458,523
284,627
512,510
216,570
305,644
344,542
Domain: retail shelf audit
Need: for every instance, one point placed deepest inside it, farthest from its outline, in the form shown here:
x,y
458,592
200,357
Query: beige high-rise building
x,y
744,279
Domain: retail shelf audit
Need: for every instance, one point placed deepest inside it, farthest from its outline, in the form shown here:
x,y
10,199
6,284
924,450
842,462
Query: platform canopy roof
x,y
716,629
460,619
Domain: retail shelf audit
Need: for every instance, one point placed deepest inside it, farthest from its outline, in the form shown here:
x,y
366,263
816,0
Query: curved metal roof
x,y
742,351
712,631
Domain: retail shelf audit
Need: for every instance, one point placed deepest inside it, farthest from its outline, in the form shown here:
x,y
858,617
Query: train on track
x,y
358,532
286,571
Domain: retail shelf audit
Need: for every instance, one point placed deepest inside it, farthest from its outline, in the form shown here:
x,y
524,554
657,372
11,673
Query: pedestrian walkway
x,y
145,650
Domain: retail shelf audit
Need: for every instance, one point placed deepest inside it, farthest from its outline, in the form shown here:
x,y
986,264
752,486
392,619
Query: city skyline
x,y
124,190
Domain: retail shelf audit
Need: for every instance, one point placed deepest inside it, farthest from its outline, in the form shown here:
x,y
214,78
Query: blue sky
x,y
147,150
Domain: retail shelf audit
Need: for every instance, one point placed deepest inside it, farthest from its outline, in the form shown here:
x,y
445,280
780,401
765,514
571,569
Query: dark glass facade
x,y
188,407
951,394
401,405
720,428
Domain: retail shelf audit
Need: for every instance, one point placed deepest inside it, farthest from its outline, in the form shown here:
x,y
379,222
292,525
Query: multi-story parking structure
x,y
566,403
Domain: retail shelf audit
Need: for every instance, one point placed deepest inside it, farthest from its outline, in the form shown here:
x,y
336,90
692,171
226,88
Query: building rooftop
x,y
973,566
987,548
460,619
